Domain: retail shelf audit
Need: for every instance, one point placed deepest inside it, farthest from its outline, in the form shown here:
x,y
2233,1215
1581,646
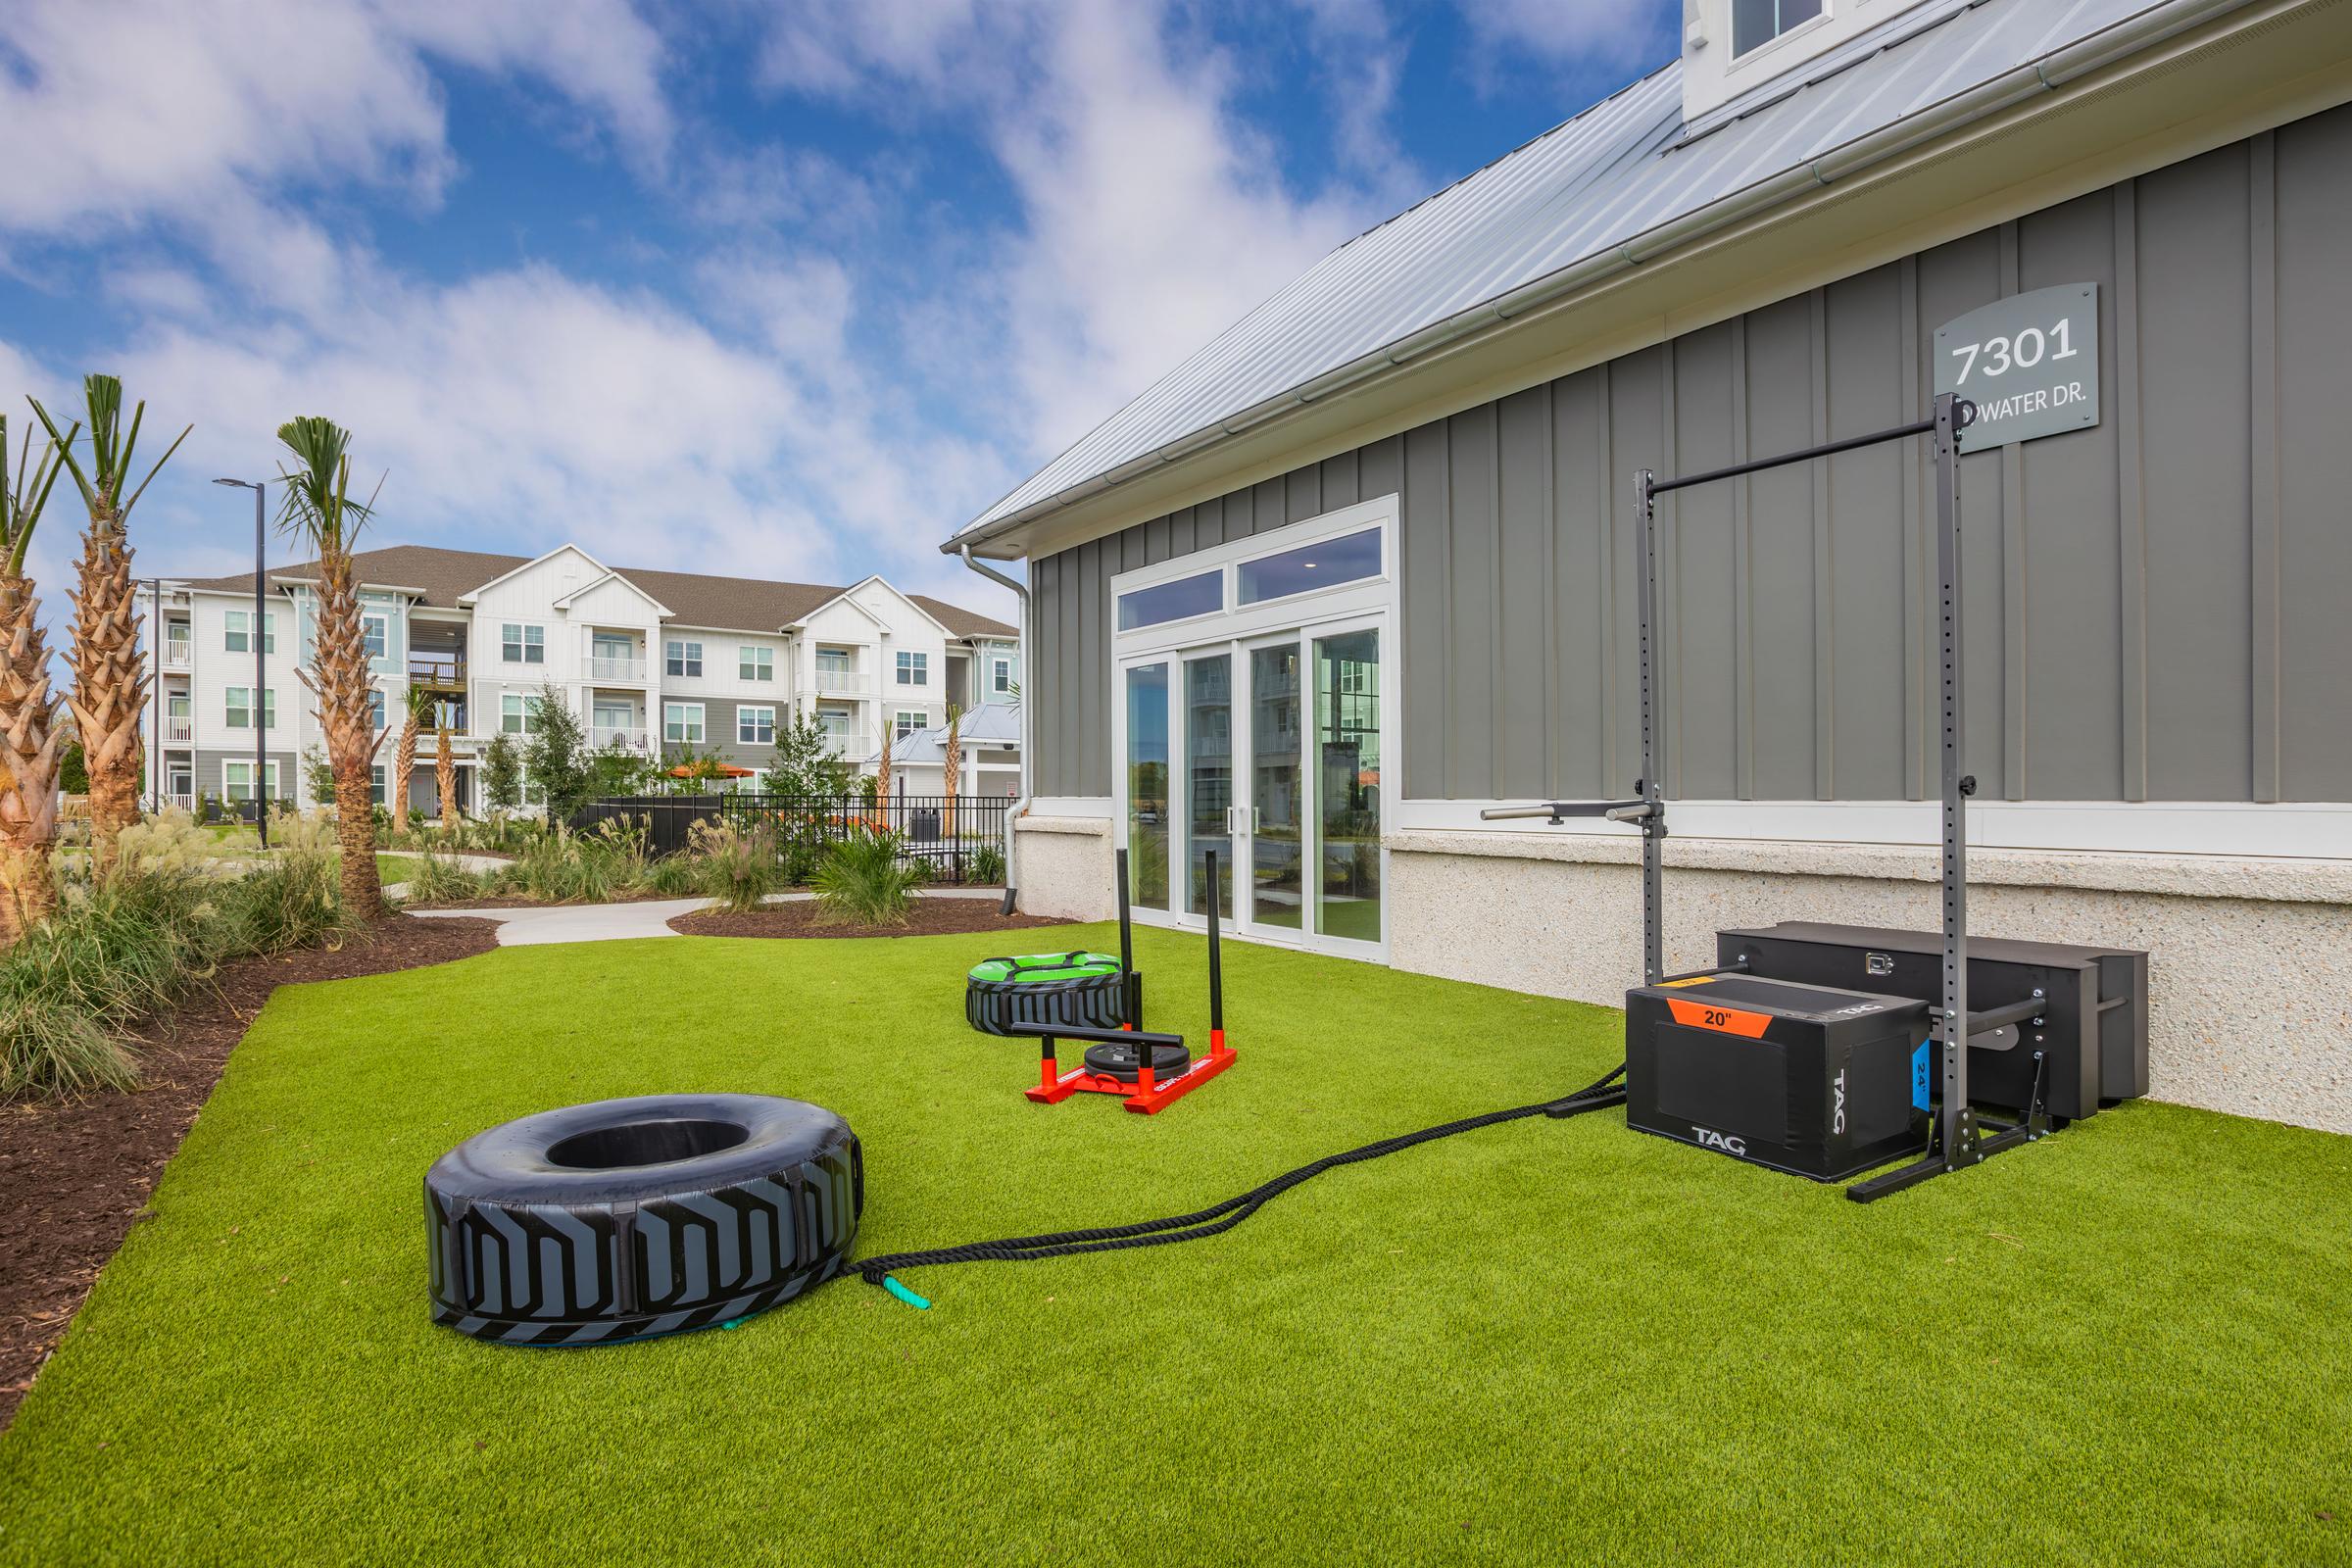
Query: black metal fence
x,y
962,841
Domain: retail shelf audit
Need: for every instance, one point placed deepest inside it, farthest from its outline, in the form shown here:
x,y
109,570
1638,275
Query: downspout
x,y
1020,804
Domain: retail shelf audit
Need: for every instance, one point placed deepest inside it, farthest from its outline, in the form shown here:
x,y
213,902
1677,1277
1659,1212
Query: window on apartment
x,y
236,632
1181,600
523,645
756,726
1756,23
237,782
682,723
238,702
1000,676
755,663
376,633
914,669
908,720
685,658
518,713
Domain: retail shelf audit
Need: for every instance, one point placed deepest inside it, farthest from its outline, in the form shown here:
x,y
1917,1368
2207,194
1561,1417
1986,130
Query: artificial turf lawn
x,y
1539,1342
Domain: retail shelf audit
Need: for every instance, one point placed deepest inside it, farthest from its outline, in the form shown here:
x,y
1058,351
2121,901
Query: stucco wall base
x,y
2251,997
1064,867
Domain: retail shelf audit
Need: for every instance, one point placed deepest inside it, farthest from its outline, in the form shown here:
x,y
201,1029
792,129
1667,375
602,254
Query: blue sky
x,y
788,289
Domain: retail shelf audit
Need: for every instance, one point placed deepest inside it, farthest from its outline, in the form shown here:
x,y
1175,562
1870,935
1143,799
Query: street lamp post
x,y
261,667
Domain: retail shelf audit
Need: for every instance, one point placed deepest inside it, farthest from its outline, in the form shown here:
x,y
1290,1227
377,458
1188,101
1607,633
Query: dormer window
x,y
1756,23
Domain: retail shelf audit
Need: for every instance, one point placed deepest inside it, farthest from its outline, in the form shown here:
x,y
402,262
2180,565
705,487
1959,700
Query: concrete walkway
x,y
536,926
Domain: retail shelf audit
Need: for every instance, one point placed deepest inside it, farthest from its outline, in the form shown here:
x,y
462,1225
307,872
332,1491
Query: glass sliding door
x,y
1208,781
1277,805
1348,785
1148,784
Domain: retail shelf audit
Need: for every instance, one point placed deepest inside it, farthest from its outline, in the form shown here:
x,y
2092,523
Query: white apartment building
x,y
653,660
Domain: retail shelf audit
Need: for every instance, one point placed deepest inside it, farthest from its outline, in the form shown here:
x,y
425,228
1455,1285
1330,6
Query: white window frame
x,y
523,642
524,714
682,652
745,711
761,659
701,729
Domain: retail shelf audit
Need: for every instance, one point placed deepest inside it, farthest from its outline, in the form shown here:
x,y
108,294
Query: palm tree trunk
x,y
110,683
445,774
338,678
404,763
28,761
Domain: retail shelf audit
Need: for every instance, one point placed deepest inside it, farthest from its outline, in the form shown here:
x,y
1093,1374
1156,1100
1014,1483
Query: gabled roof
x,y
1621,181
443,577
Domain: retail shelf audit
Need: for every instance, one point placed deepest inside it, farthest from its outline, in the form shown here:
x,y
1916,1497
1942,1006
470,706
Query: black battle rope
x,y
1220,1217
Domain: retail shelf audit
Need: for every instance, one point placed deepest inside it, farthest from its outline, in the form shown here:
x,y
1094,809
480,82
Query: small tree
x,y
320,774
556,756
805,764
501,774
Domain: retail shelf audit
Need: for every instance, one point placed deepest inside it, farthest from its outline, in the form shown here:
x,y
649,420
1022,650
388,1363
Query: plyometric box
x,y
2094,1028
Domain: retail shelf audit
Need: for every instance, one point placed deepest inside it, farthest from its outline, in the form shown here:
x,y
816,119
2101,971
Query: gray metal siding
x,y
2154,605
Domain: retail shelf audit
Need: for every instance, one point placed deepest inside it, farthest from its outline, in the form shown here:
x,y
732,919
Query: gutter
x,y
1020,804
1980,102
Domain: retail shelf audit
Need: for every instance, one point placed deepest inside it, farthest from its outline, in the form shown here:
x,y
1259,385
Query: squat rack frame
x,y
1959,1138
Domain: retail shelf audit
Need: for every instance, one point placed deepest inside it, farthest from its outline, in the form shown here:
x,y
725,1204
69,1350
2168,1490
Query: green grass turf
x,y
1540,1342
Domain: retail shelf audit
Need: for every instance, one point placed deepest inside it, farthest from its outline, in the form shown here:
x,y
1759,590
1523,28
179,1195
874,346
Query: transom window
x,y
236,632
519,713
523,645
756,726
1756,23
755,663
682,723
914,669
1180,600
684,658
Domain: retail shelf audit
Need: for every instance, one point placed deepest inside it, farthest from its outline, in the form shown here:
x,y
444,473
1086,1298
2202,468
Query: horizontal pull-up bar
x,y
1966,411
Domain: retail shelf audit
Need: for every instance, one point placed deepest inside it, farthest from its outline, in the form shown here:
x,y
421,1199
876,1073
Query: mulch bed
x,y
77,1174
928,918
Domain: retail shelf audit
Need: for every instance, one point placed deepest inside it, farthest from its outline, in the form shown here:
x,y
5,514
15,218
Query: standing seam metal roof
x,y
1618,170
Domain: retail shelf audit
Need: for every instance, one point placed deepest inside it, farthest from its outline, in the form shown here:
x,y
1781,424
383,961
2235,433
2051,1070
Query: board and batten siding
x,y
2159,608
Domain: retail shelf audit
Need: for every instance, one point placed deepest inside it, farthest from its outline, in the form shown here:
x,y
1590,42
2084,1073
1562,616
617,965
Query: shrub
x,y
739,866
862,880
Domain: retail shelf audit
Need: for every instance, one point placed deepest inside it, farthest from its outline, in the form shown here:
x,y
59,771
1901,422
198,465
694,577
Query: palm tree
x,y
110,669
952,755
445,776
29,729
421,704
319,512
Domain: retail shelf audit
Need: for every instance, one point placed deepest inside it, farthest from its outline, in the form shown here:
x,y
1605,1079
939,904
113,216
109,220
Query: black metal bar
x,y
1216,971
1828,449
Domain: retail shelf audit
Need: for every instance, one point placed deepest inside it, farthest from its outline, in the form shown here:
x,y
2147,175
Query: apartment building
x,y
650,660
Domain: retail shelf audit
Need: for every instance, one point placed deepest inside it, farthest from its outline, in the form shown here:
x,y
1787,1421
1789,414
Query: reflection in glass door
x,y
1278,824
1148,786
1348,785
1208,781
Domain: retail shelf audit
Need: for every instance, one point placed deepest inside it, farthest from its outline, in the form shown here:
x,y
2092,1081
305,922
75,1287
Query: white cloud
x,y
1605,34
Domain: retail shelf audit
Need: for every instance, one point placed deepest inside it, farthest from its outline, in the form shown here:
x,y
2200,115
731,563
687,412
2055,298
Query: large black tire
x,y
1063,988
630,1219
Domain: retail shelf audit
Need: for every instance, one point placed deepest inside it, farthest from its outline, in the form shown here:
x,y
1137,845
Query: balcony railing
x,y
604,666
179,731
601,737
